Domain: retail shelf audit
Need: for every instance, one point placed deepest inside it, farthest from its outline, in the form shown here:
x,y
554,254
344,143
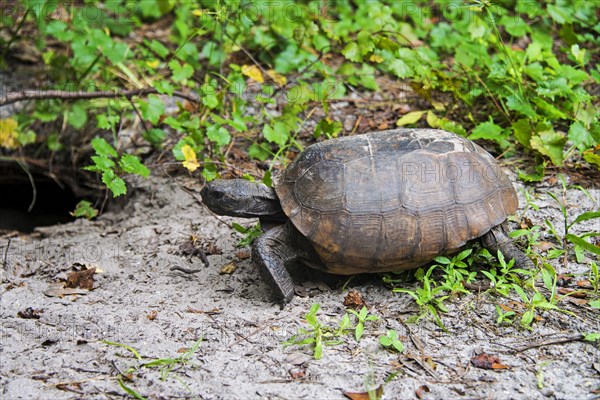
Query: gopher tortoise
x,y
377,202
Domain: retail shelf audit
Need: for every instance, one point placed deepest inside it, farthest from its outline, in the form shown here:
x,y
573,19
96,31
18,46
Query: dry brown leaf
x,y
580,294
83,279
421,390
228,268
585,284
487,361
354,300
364,395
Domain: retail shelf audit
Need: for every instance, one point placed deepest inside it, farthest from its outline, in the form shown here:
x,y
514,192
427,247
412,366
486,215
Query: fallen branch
x,y
13,97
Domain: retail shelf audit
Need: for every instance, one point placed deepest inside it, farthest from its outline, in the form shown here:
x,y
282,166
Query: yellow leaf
x,y
376,58
8,133
153,64
253,72
277,77
410,118
198,12
191,162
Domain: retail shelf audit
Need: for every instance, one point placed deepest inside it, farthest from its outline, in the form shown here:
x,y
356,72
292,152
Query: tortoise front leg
x,y
496,239
277,249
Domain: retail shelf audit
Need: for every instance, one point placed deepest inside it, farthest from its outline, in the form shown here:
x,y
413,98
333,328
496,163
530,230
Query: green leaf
x,y
410,118
352,52
514,102
576,240
155,136
278,133
131,164
103,148
550,143
592,336
463,254
259,151
580,136
442,260
523,131
486,130
84,209
114,183
181,72
53,142
102,163
514,25
360,328
401,69
152,109
328,128
77,116
536,176
158,48
385,341
398,345
218,134
586,216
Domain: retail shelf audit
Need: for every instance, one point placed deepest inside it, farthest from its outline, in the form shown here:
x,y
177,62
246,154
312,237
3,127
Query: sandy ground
x,y
139,302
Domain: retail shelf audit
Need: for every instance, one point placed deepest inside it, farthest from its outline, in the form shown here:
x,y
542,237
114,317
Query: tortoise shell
x,y
393,200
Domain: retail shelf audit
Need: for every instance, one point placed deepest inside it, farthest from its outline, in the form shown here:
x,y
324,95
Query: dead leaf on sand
x,y
354,300
365,395
487,361
228,268
83,279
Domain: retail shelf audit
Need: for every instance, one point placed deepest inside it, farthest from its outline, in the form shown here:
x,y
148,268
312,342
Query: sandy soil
x,y
138,301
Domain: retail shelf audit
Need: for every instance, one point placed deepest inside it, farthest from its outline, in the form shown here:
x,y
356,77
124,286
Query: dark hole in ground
x,y
52,205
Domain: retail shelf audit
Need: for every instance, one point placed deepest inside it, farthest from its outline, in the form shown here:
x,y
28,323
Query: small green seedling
x,y
580,245
455,271
504,317
84,209
166,365
250,234
537,301
502,279
429,297
391,342
318,335
361,317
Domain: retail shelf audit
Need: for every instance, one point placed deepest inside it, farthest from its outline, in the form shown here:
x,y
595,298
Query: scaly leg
x,y
278,248
496,239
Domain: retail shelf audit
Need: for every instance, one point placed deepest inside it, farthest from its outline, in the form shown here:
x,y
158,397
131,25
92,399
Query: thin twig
x,y
541,343
6,254
32,181
13,97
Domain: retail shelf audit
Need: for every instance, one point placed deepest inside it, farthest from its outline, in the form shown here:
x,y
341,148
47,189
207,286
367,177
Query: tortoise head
x,y
240,198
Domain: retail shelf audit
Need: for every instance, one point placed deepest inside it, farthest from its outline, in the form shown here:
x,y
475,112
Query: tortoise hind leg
x,y
277,249
496,239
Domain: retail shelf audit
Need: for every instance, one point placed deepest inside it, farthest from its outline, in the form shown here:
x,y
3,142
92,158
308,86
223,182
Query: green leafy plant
x,y
165,365
455,271
84,209
318,334
250,234
430,297
390,341
112,166
503,279
580,245
537,301
361,318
